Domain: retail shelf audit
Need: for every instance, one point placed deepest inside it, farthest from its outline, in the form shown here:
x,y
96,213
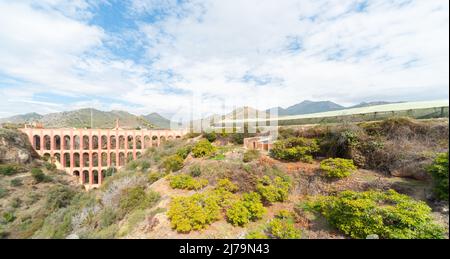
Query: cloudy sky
x,y
173,56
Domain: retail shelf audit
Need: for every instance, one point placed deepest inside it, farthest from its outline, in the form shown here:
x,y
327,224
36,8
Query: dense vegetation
x,y
439,171
295,149
337,167
386,214
187,185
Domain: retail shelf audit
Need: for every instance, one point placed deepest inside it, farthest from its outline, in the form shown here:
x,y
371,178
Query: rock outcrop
x,y
15,147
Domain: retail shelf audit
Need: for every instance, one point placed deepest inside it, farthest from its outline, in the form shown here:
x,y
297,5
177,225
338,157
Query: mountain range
x,y
82,119
106,119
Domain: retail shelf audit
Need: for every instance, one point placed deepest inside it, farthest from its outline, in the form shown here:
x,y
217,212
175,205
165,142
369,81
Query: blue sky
x,y
176,56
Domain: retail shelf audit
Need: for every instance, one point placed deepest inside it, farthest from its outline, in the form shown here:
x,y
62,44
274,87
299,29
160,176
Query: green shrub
x,y
211,137
184,151
337,167
194,212
439,172
59,197
155,176
283,228
203,148
184,181
8,217
145,165
249,208
295,149
238,214
50,166
16,182
107,217
256,235
252,201
38,175
250,155
195,170
3,192
227,185
8,170
173,163
132,165
275,190
386,214
136,198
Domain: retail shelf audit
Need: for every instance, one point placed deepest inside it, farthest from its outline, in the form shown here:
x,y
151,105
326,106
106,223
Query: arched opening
x,y
46,157
37,142
170,138
67,143
162,139
138,142
103,172
86,160
154,140
113,142
130,142
178,137
85,176
138,155
147,142
95,159
130,156
76,173
121,142
66,162
104,159
113,159
58,158
57,141
76,142
95,175
47,142
121,159
76,159
85,142
94,142
104,142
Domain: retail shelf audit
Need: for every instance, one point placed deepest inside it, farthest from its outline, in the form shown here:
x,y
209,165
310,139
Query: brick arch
x,y
86,150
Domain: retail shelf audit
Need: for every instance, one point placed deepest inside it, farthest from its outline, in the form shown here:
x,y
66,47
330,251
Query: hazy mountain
x,y
307,107
158,120
82,119
23,118
244,113
368,104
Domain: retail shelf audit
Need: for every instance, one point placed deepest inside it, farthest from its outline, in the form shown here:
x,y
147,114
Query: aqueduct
x,y
88,153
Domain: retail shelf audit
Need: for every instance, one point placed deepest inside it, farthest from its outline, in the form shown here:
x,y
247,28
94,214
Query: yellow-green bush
x,y
295,149
439,171
273,190
184,181
386,214
249,208
283,228
238,214
194,212
203,148
227,185
337,167
173,163
256,235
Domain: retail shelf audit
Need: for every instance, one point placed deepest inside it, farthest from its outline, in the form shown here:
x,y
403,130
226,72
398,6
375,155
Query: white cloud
x,y
393,50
